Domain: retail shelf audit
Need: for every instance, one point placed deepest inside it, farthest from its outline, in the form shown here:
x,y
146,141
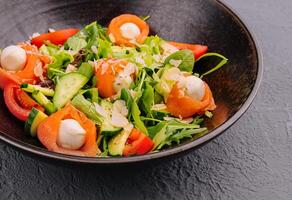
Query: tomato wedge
x,y
25,101
21,105
181,105
117,22
106,73
48,131
197,49
137,144
58,37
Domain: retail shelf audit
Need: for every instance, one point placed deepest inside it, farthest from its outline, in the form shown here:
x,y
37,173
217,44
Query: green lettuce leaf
x,y
184,57
60,61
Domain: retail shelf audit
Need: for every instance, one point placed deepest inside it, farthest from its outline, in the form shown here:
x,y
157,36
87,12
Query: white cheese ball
x,y
71,134
195,87
13,58
130,30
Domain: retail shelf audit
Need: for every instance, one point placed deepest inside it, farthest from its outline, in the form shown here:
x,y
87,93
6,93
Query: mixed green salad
x,y
114,91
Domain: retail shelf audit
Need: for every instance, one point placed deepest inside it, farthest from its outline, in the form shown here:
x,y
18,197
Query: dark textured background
x,y
252,160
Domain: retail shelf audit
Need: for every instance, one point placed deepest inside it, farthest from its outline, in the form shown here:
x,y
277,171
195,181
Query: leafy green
x,y
209,63
91,95
49,49
60,60
87,108
145,55
185,133
126,96
167,132
76,42
104,147
87,37
136,117
158,133
185,57
104,48
147,99
176,124
94,31
145,18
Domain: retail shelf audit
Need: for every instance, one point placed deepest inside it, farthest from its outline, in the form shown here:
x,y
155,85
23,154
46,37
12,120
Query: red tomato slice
x,y
197,49
25,101
137,144
57,37
12,104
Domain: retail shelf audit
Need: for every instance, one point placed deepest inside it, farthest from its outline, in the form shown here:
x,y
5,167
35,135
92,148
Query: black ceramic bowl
x,y
193,21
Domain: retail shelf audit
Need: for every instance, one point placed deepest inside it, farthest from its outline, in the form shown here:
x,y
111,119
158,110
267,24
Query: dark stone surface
x,y
252,160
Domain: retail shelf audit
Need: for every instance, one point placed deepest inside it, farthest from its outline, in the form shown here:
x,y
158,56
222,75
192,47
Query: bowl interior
x,y
191,21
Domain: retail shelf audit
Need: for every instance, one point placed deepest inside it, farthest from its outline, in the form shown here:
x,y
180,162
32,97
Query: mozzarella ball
x,y
13,58
71,134
130,30
195,87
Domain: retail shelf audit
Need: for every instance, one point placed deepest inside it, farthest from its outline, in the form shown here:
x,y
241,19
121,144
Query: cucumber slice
x,y
117,143
67,86
107,129
34,119
44,101
31,88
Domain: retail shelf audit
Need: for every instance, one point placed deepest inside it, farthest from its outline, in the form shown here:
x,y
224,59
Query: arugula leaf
x,y
154,130
161,134
198,120
209,63
147,99
136,117
176,124
126,96
185,57
185,133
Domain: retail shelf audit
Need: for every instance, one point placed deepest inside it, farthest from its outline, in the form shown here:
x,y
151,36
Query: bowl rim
x,y
168,152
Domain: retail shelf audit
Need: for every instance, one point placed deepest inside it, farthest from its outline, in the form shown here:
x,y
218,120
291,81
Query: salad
x,y
114,91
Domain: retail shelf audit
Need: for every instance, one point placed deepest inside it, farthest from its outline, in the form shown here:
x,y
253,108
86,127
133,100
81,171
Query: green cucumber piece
x,y
31,88
117,143
34,119
107,129
44,101
86,69
68,86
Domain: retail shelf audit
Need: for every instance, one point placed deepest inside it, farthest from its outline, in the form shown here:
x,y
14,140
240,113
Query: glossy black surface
x,y
204,22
